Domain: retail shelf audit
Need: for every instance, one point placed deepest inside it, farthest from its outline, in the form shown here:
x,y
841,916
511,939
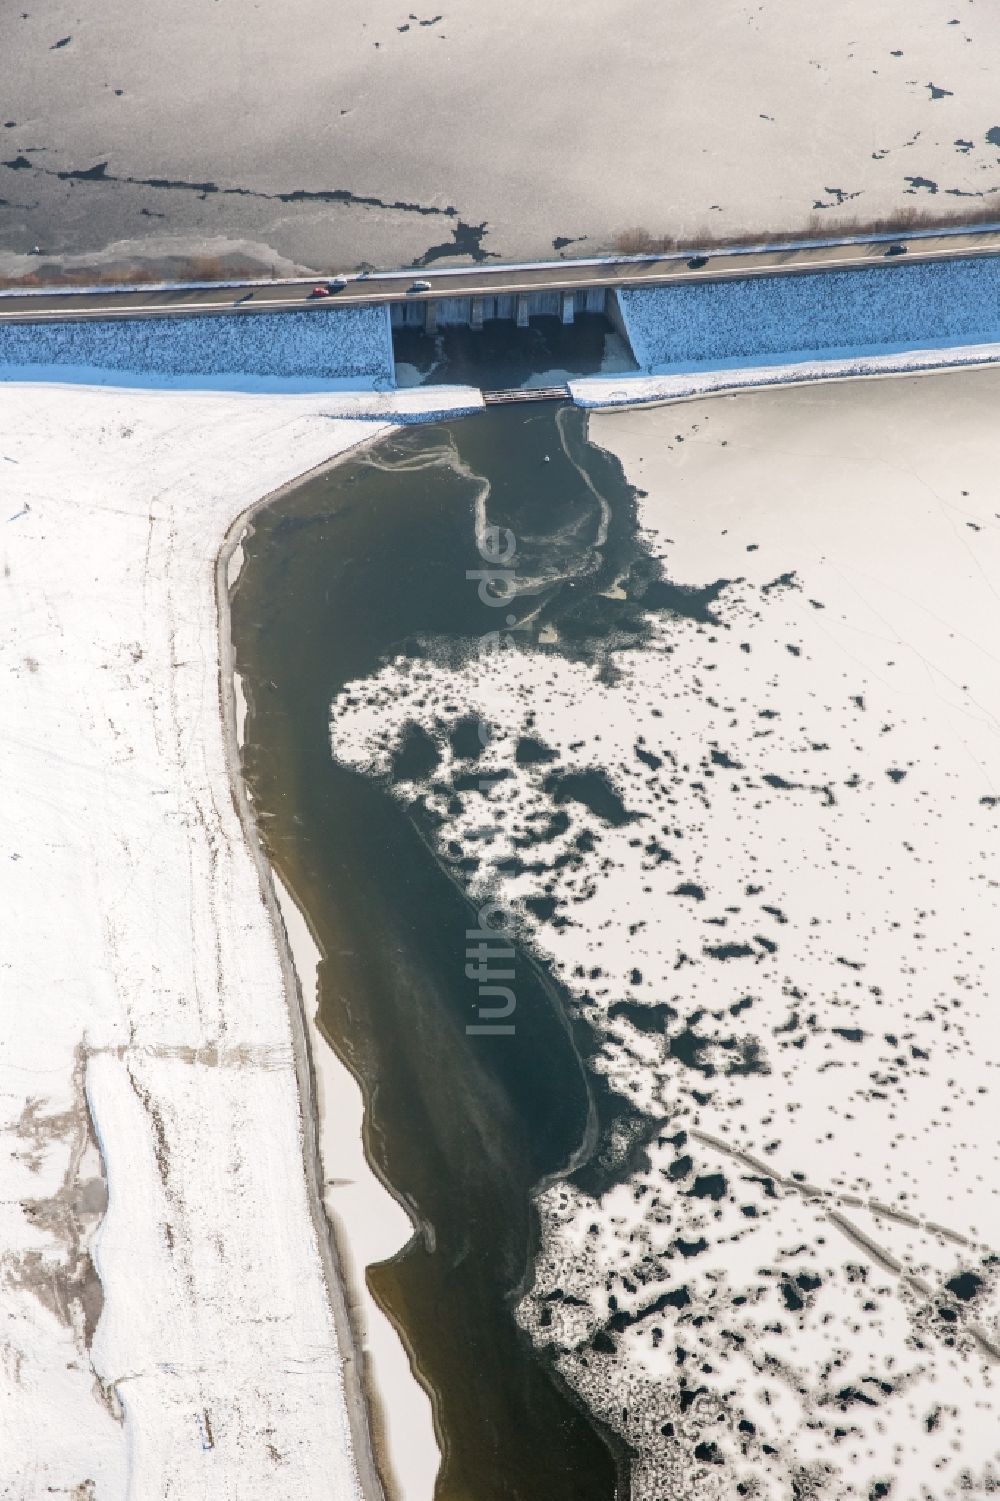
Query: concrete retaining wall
x,y
814,314
345,345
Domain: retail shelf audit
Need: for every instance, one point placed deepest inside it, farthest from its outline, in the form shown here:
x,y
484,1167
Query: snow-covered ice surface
x,y
771,887
144,1006
834,313
351,346
551,128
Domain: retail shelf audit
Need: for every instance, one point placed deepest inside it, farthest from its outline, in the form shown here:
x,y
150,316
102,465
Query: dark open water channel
x,y
361,563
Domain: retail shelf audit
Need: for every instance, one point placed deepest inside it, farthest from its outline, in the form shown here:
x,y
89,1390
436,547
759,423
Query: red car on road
x,y
328,288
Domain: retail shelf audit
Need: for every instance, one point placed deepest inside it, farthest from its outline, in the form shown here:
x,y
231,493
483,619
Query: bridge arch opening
x,y
509,340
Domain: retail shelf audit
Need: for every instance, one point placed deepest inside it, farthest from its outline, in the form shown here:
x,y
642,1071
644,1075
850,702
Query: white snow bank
x,y
351,345
140,956
623,390
371,1226
415,404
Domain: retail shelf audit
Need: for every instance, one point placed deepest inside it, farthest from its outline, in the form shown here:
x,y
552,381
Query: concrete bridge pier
x,y
478,309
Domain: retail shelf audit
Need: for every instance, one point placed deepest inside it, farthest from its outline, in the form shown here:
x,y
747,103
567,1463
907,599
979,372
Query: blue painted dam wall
x,y
818,314
764,319
344,346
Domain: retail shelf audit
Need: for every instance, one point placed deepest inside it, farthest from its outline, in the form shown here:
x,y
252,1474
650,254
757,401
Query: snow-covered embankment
x,y
343,347
145,999
820,325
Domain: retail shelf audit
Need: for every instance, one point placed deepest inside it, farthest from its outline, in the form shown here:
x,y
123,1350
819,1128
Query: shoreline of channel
x,y
346,1286
312,845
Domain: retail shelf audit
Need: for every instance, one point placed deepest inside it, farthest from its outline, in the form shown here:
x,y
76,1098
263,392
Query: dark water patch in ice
x,y
689,1248
466,240
690,1048
965,1285
726,951
709,1186
796,1291
783,581
469,737
676,1297
647,757
651,1020
533,752
779,783
593,790
416,755
684,600
99,175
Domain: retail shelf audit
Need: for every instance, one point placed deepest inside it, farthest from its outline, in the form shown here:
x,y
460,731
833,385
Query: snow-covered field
x,y
816,314
350,347
383,135
149,1057
784,933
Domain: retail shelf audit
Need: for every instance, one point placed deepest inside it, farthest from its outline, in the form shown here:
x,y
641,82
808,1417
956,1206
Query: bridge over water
x,y
677,311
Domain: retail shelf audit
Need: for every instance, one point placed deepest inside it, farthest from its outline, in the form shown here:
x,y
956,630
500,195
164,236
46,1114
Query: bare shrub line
x,y
632,241
639,241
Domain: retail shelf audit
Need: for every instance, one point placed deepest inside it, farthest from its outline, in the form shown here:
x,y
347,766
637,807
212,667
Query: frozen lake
x,y
377,135
739,789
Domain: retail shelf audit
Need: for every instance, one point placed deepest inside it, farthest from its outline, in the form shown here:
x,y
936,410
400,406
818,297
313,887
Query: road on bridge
x,y
364,289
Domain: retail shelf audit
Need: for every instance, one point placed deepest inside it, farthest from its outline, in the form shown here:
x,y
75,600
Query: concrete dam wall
x,y
508,307
343,346
769,319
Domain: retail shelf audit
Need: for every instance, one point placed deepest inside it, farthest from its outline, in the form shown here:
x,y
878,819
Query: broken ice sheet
x,y
779,1276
